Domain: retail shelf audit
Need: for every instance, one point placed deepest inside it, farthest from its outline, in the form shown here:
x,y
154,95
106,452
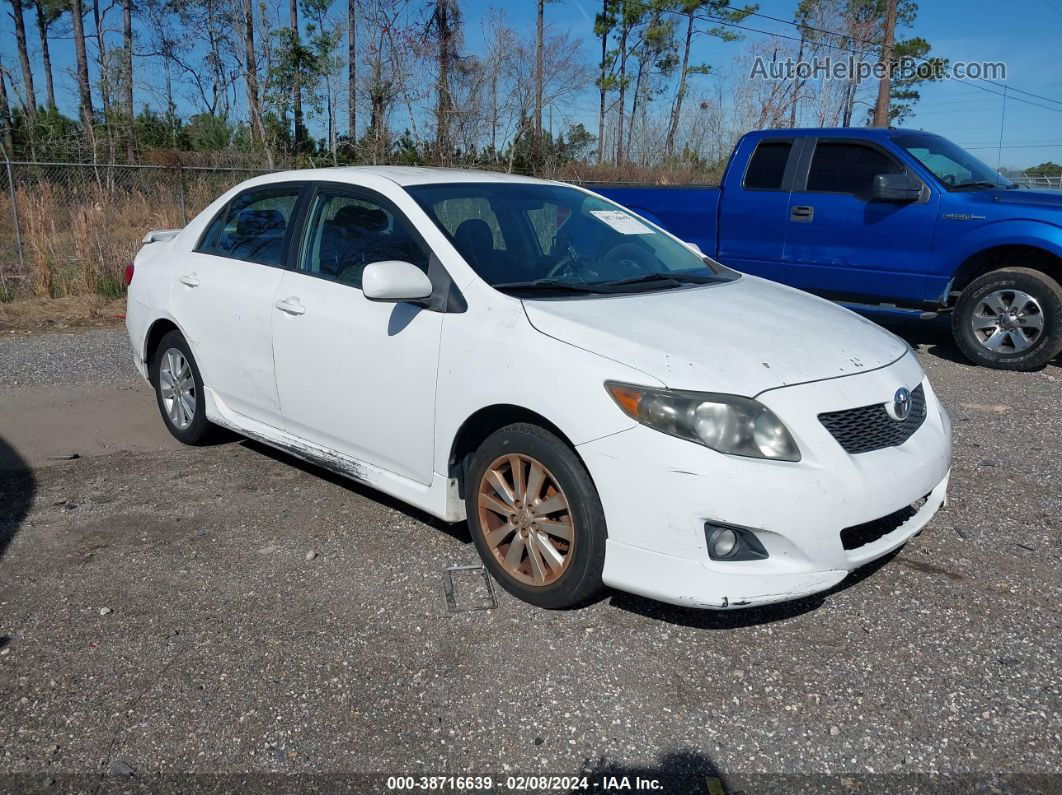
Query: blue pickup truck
x,y
896,221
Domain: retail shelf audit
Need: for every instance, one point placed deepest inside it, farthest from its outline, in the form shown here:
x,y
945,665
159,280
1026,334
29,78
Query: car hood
x,y
740,337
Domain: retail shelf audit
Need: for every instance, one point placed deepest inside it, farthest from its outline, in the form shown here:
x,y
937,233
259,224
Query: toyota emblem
x,y
901,404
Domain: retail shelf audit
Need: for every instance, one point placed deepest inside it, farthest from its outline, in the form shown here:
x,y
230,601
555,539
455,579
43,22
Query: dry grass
x,y
81,226
82,247
79,231
50,314
643,175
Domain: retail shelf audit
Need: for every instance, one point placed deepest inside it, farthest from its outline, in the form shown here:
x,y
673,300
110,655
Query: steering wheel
x,y
629,256
567,266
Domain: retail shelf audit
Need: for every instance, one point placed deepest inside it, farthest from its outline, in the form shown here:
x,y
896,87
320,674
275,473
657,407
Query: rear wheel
x,y
1010,319
179,390
535,517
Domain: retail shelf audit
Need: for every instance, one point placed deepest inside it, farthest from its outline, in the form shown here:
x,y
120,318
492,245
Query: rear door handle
x,y
802,213
290,305
189,280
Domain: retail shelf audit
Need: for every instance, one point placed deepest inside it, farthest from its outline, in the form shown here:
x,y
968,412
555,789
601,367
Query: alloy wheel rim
x,y
526,520
1008,321
177,388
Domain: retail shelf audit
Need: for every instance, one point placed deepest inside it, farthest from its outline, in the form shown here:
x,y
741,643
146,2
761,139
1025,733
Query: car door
x,y
223,297
754,209
842,243
356,376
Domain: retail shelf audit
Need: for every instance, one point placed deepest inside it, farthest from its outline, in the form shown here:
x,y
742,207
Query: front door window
x,y
348,232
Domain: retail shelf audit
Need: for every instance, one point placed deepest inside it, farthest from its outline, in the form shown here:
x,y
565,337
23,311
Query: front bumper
x,y
658,491
695,583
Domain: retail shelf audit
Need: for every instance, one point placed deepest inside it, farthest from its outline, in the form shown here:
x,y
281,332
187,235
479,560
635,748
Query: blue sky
x,y
1023,34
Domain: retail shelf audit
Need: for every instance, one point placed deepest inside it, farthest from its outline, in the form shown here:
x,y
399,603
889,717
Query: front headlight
x,y
727,423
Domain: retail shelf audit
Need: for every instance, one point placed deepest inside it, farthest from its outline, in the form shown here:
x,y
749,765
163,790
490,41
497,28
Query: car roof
x,y
401,175
834,132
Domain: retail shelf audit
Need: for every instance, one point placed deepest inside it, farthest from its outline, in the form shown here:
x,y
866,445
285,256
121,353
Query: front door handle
x,y
189,280
290,305
802,213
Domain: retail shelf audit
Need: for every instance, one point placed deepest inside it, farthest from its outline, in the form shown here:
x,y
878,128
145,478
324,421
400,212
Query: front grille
x,y
871,428
859,535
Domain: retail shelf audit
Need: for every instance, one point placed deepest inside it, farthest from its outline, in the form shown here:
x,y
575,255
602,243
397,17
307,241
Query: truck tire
x,y
1009,319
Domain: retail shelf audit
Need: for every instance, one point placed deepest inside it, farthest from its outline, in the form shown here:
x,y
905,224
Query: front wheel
x,y
1010,319
535,517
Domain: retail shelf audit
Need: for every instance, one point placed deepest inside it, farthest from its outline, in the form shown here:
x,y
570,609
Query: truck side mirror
x,y
896,188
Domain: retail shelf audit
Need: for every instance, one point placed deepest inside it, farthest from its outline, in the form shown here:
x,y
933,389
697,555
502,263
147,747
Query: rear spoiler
x,y
160,235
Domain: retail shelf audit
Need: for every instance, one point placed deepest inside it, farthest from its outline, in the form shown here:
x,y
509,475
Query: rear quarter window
x,y
767,165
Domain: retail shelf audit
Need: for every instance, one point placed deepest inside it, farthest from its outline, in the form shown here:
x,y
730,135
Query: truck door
x,y
843,244
754,207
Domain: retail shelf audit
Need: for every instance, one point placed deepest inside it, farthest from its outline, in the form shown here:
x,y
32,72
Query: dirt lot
x,y
170,614
43,315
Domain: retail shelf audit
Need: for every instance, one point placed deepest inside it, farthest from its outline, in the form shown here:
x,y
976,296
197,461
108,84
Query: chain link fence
x,y
1040,183
71,228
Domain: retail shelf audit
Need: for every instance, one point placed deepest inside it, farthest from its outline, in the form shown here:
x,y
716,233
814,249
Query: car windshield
x,y
542,239
952,164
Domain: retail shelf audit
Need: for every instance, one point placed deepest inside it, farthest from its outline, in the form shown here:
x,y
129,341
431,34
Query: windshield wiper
x,y
663,279
981,183
546,285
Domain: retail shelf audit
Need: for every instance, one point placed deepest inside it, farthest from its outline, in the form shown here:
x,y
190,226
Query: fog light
x,y
730,542
722,541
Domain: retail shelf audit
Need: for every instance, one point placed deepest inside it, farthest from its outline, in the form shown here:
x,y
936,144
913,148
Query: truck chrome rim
x,y
525,519
177,388
1008,321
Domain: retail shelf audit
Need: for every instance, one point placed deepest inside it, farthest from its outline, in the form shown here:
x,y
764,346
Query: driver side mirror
x,y
394,281
896,188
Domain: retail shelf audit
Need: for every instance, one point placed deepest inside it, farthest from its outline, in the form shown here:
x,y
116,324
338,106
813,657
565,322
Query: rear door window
x,y
253,226
767,166
848,167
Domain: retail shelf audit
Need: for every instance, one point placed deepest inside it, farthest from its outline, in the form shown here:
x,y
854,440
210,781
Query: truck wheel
x,y
535,517
1010,319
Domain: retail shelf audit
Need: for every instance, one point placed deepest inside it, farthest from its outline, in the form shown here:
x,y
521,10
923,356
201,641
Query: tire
x,y
570,574
1023,342
172,350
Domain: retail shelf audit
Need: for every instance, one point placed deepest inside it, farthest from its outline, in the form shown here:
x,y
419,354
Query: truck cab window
x,y
841,167
767,166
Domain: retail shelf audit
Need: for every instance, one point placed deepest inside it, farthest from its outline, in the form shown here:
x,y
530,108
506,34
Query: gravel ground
x,y
97,358
170,616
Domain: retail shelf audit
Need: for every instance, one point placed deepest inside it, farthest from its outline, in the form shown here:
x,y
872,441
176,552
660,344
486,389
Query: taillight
x,y
128,274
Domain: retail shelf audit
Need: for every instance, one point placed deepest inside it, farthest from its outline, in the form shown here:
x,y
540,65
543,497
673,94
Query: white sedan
x,y
602,403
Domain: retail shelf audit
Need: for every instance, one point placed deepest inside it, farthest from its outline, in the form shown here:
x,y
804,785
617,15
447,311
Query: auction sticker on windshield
x,y
621,222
